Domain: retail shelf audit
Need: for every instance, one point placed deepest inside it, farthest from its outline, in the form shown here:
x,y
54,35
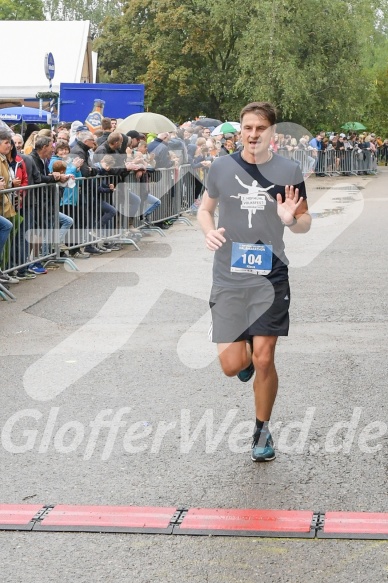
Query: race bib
x,y
251,258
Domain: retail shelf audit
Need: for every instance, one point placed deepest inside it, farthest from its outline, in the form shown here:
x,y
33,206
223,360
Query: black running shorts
x,y
238,314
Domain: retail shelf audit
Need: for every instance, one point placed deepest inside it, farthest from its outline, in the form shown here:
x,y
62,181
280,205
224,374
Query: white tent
x,y
22,71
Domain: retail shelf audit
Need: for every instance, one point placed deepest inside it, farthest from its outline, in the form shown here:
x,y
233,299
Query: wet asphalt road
x,y
126,336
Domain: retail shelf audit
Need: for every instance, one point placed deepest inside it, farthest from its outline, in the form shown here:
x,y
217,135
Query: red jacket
x,y
19,171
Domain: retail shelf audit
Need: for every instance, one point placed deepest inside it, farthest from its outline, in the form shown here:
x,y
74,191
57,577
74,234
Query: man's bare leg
x,y
265,385
234,357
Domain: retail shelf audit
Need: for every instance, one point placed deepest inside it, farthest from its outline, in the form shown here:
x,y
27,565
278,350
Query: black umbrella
x,y
207,122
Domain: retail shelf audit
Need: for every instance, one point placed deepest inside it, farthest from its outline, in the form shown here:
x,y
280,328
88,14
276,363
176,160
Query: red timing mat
x,y
373,525
247,522
108,519
18,516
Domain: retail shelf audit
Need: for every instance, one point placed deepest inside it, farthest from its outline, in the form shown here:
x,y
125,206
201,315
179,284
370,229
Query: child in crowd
x,y
105,165
141,155
70,202
65,221
72,166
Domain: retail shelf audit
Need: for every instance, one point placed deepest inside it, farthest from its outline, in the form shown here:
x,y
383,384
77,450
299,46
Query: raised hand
x,y
287,209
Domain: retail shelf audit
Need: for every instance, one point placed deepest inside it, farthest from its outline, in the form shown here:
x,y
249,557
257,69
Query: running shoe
x,y
79,255
262,446
6,278
93,250
22,275
113,246
36,268
103,249
246,374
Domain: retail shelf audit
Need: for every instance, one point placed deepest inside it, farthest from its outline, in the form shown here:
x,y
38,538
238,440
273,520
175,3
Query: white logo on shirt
x,y
251,201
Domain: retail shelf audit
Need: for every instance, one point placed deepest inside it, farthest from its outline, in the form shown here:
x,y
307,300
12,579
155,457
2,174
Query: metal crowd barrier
x,y
160,183
382,154
171,186
192,182
308,162
92,205
35,225
49,217
333,162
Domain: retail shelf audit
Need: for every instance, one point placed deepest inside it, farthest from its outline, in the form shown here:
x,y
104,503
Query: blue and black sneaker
x,y
37,268
247,373
262,446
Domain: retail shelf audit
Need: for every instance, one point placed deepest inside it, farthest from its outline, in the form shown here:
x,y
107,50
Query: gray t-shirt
x,y
248,212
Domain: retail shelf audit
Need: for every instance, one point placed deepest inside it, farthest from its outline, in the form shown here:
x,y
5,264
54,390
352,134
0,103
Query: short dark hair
x,y
133,134
61,145
106,123
41,142
263,108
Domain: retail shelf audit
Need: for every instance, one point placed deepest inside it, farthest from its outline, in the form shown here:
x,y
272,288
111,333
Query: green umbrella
x,y
353,125
224,128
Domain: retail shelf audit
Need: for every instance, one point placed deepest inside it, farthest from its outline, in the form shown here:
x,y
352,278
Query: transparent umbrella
x,y
147,123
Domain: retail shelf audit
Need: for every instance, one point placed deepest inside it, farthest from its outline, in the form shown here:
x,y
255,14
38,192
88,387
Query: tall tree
x,y
211,56
21,10
184,51
93,10
308,58
375,62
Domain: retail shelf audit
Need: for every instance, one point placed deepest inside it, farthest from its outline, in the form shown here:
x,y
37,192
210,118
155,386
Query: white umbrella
x,y
225,128
147,123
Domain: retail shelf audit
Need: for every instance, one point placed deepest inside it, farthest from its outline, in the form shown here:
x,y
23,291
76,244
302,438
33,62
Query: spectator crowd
x,y
72,153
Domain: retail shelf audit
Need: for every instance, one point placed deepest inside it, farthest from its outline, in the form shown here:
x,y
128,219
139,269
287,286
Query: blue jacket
x,y
70,195
314,143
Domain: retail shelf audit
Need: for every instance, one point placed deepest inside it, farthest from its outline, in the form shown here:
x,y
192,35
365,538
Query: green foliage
x,y
21,10
307,64
47,95
322,62
93,10
184,52
376,63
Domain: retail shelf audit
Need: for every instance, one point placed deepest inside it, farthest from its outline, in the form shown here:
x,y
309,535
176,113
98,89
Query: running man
x,y
250,296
